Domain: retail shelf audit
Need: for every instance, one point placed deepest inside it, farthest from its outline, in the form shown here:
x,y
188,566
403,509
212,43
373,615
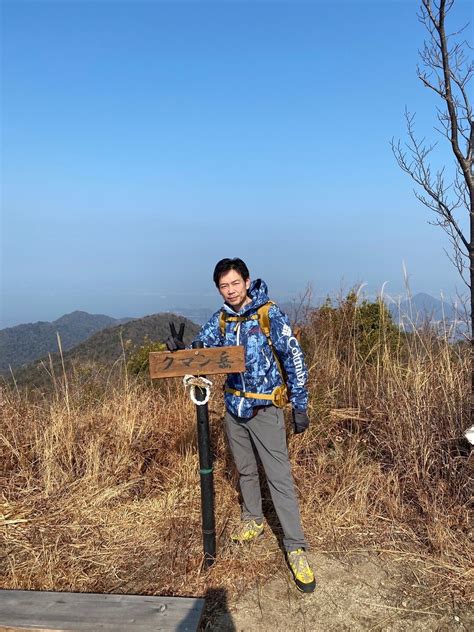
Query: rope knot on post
x,y
192,381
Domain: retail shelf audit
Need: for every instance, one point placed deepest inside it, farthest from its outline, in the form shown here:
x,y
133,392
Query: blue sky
x,y
144,141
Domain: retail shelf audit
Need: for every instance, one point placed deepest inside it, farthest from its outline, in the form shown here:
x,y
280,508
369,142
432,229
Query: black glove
x,y
175,341
300,421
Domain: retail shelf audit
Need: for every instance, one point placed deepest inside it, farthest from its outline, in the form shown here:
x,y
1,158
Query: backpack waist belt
x,y
279,397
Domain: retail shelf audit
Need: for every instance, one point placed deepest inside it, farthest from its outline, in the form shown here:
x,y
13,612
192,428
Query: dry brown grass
x,y
101,485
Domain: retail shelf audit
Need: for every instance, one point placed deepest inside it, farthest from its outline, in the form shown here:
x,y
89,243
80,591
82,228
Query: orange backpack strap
x,y
222,321
224,318
264,319
265,326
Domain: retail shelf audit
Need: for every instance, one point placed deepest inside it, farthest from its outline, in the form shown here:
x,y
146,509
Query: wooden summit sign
x,y
206,361
197,362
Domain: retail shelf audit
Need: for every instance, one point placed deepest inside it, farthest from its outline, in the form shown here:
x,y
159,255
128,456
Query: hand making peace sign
x,y
175,341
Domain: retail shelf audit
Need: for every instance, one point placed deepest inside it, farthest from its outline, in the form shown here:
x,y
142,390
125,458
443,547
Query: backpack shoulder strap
x,y
263,313
264,319
222,321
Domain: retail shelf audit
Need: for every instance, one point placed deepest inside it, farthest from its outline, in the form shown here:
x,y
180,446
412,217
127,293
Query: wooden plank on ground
x,y
22,610
208,361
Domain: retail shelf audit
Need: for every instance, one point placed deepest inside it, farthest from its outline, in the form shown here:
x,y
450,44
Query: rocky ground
x,y
354,592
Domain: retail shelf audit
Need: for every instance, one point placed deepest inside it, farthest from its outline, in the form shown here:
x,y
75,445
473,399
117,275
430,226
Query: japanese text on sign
x,y
203,361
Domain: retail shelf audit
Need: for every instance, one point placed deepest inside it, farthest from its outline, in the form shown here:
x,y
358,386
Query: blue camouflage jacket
x,y
261,374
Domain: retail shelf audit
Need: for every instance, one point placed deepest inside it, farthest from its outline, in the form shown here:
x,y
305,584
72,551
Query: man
x,y
252,419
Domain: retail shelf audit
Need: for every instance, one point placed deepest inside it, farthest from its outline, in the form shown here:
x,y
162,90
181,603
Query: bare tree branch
x,y
446,71
420,171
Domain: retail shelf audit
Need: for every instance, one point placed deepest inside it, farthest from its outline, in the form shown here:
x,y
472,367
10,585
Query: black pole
x,y
207,478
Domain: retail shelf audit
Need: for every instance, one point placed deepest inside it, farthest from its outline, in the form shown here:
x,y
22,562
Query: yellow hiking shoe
x,y
304,576
249,530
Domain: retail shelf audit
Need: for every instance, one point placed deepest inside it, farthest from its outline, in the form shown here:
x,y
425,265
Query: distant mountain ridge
x,y
23,344
106,346
199,315
423,308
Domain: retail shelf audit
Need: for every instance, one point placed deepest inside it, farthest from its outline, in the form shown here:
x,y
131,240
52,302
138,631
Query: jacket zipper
x,y
241,403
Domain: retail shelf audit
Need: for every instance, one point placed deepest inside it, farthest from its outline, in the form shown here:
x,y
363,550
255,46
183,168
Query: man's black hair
x,y
226,265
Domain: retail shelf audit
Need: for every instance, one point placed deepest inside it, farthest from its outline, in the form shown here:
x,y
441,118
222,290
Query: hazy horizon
x,y
166,304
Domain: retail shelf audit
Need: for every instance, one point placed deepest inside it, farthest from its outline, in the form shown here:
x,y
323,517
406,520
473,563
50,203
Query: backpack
x,y
279,397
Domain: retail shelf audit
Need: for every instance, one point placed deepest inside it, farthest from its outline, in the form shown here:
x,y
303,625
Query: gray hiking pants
x,y
266,432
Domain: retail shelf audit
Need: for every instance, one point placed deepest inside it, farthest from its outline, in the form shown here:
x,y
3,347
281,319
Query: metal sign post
x,y
199,361
206,473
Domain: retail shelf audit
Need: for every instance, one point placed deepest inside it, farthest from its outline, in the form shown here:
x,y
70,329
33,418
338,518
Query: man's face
x,y
233,289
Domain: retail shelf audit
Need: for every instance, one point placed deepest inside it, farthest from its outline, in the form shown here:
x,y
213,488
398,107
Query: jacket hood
x,y
258,292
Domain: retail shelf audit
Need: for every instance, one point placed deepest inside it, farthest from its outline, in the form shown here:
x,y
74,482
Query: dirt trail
x,y
356,592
